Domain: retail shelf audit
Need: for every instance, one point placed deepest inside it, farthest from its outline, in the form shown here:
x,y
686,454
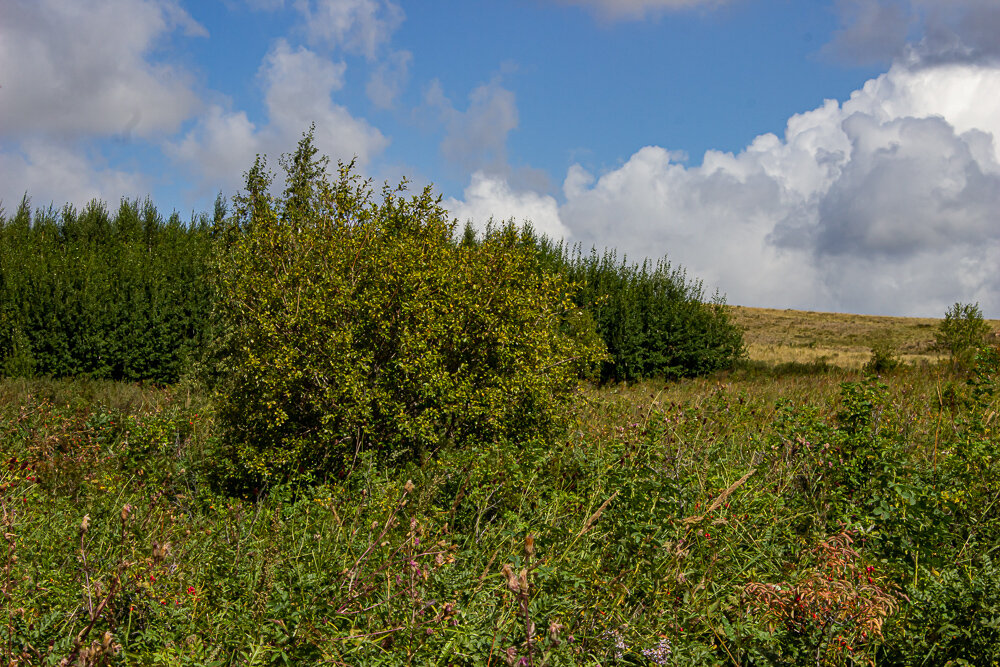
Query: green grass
x,y
694,523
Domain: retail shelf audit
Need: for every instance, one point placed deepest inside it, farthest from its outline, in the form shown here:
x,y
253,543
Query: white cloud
x,y
298,88
923,32
357,26
71,69
388,79
638,9
54,173
489,197
476,139
76,72
886,203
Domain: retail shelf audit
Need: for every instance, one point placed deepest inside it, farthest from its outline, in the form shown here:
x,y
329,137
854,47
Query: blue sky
x,y
829,155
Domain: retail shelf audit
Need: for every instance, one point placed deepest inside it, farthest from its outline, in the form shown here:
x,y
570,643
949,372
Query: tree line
x,y
128,295
122,295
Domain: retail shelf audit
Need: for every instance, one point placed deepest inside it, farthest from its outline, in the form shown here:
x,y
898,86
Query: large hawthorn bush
x,y
350,323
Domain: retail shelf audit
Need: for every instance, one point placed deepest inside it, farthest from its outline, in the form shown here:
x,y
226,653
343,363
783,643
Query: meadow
x,y
838,339
786,512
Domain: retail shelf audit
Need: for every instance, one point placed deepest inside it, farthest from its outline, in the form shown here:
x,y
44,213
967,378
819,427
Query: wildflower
x,y
191,590
555,627
659,654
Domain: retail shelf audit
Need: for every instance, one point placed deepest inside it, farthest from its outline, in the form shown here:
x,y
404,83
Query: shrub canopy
x,y
350,324
962,331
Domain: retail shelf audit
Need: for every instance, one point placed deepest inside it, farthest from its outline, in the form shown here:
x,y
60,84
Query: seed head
x,y
160,551
85,524
512,582
529,545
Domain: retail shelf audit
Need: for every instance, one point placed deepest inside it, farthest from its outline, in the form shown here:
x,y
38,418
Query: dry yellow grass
x,y
780,336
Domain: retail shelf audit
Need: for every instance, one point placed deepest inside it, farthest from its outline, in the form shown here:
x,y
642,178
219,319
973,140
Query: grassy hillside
x,y
844,340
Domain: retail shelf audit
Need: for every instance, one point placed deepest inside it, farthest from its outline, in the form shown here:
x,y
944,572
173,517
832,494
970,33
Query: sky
x,y
830,155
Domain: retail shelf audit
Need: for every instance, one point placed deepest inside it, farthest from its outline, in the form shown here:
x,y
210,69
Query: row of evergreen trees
x,y
121,295
654,321
127,296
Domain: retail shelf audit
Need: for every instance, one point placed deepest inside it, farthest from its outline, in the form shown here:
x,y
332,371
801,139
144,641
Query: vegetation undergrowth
x,y
798,519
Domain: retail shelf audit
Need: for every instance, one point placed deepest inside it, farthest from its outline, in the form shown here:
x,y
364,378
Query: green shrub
x,y
348,324
961,332
885,357
953,618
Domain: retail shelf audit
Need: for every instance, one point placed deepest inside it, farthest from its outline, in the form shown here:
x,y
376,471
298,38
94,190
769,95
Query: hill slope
x,y
780,336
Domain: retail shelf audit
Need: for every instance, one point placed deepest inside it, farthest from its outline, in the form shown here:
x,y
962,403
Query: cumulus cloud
x,y
638,9
872,31
921,32
388,79
886,203
71,69
476,139
298,88
54,173
357,26
74,73
492,197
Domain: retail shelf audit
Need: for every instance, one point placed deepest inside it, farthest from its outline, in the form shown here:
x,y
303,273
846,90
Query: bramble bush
x,y
348,324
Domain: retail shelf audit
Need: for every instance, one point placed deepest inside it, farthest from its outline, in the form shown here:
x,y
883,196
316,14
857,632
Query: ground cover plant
x,y
799,519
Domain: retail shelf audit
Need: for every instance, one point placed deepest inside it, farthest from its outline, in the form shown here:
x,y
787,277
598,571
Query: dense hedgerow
x,y
350,324
124,296
104,295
